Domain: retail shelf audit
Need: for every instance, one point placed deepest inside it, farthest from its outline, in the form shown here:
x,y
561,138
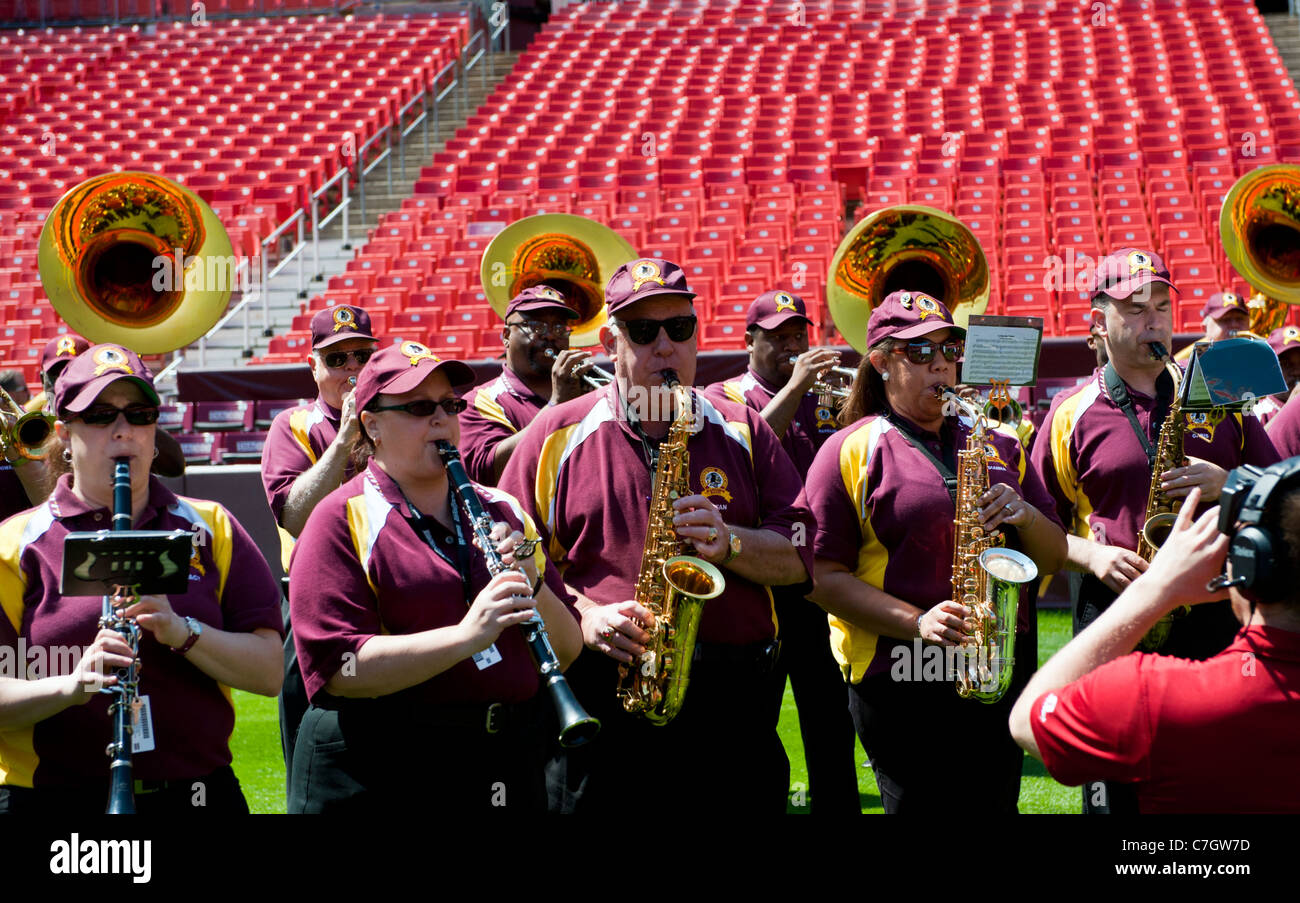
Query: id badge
x,y
487,658
141,726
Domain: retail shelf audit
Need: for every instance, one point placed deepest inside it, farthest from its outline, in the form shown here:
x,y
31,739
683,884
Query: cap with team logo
x,y
1221,303
540,298
1123,272
773,308
94,370
335,324
909,315
401,367
62,349
644,278
1285,338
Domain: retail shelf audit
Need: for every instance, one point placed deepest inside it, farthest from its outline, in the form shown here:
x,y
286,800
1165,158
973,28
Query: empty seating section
x,y
731,134
253,114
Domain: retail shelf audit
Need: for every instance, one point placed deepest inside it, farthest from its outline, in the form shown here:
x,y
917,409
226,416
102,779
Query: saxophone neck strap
x,y
1119,394
947,469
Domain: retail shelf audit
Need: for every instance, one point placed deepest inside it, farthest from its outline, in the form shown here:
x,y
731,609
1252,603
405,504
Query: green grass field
x,y
258,762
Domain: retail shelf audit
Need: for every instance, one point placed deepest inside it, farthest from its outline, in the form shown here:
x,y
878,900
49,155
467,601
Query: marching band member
x,y
1224,314
585,471
537,321
1096,451
1285,342
884,552
776,329
224,632
403,636
306,457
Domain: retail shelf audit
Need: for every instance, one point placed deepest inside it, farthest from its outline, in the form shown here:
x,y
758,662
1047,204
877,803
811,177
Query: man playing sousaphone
x,y
540,369
585,473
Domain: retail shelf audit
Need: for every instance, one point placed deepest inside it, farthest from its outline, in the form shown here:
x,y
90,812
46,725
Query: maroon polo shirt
x,y
1165,723
1284,429
360,569
231,588
296,440
1096,470
584,474
497,410
883,511
812,425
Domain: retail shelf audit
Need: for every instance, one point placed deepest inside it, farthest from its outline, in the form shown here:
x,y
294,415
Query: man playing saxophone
x,y
884,492
584,473
1097,454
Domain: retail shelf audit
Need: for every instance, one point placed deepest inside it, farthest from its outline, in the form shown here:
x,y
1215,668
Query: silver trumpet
x,y
832,395
594,377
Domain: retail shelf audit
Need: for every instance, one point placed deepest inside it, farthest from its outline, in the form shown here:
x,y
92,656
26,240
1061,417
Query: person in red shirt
x,y
776,331
537,321
1209,736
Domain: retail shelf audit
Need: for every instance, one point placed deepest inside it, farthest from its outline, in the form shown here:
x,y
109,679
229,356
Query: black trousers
x,y
721,754
829,743
217,793
293,693
931,750
1205,631
377,756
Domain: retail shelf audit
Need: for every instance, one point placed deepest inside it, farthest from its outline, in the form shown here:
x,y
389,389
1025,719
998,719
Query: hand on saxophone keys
x,y
700,521
947,624
1003,505
617,630
1178,482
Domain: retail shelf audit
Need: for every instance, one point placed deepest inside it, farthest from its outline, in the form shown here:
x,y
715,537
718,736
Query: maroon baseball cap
x,y
93,371
908,315
540,297
335,324
1221,302
1285,338
773,308
643,278
401,367
62,349
1123,272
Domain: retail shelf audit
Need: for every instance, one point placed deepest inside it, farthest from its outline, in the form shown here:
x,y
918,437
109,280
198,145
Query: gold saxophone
x,y
671,583
986,578
1162,511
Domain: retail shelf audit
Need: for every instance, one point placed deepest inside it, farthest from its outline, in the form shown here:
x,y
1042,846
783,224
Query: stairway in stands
x,y
225,349
1285,31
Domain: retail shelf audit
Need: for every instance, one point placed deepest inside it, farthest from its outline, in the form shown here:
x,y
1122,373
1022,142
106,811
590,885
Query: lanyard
x,y
423,527
1119,394
947,471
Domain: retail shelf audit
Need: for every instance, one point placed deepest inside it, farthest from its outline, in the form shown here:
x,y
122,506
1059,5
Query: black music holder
x,y
95,563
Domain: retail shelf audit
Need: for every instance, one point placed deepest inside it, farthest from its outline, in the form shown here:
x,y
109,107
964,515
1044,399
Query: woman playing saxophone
x,y
883,491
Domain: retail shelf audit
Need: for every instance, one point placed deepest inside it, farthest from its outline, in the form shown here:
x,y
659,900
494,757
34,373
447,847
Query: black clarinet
x,y
121,792
576,726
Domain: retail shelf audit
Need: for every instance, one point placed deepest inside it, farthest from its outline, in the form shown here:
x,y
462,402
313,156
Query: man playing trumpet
x,y
778,383
540,370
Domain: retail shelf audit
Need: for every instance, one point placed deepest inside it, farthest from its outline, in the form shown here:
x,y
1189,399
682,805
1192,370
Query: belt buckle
x,y
492,723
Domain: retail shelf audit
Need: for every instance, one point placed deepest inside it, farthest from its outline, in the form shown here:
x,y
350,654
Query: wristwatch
x,y
734,543
196,628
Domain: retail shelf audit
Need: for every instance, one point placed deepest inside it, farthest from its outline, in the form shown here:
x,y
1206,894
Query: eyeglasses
x,y
425,407
338,359
104,414
923,352
535,330
643,332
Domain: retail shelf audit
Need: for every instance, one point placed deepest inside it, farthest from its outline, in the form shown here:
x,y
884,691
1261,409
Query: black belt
x,y
760,657
488,717
183,784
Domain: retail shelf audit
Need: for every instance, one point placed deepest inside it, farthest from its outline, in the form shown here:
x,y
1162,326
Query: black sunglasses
x,y
923,352
643,332
104,414
336,359
425,407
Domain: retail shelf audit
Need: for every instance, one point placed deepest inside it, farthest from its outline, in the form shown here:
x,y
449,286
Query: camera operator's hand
x,y
1192,556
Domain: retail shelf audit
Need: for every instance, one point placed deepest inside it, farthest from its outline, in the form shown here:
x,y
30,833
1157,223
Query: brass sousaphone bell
x,y
570,253
905,248
1260,229
135,259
